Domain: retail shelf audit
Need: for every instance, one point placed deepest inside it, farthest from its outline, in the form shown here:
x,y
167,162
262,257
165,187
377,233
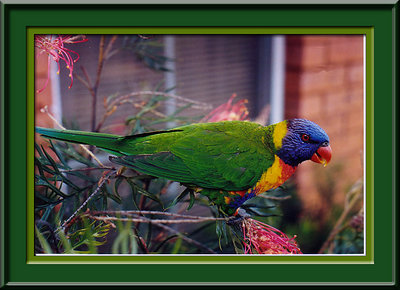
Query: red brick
x,y
355,95
322,80
41,64
44,98
335,77
335,103
312,81
346,49
332,128
316,39
310,105
346,39
355,73
314,56
356,122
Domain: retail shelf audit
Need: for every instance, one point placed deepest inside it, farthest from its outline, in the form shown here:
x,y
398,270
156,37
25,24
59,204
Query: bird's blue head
x,y
304,140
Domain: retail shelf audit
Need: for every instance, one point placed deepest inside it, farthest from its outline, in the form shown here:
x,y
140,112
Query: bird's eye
x,y
305,137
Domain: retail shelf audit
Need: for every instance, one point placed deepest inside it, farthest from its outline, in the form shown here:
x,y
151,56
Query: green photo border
x,y
22,266
368,258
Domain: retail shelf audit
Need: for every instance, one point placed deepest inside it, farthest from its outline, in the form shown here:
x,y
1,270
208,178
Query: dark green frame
x,y
21,266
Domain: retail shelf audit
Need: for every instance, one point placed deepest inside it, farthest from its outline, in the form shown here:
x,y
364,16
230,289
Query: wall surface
x,y
324,83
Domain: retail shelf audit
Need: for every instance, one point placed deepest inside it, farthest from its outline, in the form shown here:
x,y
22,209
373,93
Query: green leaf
x,y
45,245
144,192
59,156
41,180
160,245
192,199
179,198
66,243
177,246
38,149
221,233
117,183
70,151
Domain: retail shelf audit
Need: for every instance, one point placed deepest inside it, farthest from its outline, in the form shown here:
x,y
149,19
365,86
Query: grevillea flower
x,y
228,112
260,238
54,47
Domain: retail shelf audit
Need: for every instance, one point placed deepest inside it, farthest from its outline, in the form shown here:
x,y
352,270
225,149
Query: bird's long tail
x,y
104,141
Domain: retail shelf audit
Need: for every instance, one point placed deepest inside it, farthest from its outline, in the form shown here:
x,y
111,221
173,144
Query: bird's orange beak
x,y
323,155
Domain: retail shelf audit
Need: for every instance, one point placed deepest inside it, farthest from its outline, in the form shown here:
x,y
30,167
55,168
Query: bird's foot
x,y
238,217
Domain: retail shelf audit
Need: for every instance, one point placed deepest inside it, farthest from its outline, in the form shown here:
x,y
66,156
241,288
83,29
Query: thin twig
x,y
159,223
86,169
151,221
109,46
45,110
102,181
97,82
139,214
201,105
103,55
151,212
110,111
87,82
185,238
142,200
111,108
275,197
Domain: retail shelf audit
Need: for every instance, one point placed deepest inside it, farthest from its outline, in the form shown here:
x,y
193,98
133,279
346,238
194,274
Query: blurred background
x,y
317,77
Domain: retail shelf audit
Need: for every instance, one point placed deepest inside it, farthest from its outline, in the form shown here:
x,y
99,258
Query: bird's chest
x,y
273,177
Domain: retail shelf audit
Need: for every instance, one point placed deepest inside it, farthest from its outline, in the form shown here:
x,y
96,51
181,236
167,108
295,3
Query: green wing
x,y
224,155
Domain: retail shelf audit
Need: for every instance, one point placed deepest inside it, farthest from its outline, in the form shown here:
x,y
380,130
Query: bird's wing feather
x,y
219,156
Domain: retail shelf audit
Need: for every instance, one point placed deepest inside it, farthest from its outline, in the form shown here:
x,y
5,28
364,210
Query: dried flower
x,y
357,222
228,112
260,238
54,47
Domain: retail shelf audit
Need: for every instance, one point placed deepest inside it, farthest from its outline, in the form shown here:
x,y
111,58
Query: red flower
x,y
260,238
54,47
228,112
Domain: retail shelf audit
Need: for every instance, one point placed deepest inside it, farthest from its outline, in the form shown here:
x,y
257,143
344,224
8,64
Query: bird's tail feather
x,y
101,140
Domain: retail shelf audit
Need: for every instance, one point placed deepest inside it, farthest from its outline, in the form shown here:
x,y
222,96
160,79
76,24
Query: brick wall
x,y
44,98
324,83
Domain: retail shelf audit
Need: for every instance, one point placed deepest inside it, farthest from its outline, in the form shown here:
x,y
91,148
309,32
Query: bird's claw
x,y
238,217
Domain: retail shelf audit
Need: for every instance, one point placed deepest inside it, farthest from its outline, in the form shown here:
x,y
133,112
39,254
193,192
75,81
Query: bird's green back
x,y
224,155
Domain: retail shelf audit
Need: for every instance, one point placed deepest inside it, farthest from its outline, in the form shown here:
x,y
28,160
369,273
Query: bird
x,y
228,161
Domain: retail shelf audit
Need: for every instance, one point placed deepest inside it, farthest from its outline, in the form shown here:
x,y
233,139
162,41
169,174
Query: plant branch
x,y
86,169
152,221
88,82
101,183
141,213
275,197
355,191
113,105
103,55
159,223
200,105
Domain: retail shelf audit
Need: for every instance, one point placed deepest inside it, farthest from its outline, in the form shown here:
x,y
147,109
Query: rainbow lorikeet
x,y
229,162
